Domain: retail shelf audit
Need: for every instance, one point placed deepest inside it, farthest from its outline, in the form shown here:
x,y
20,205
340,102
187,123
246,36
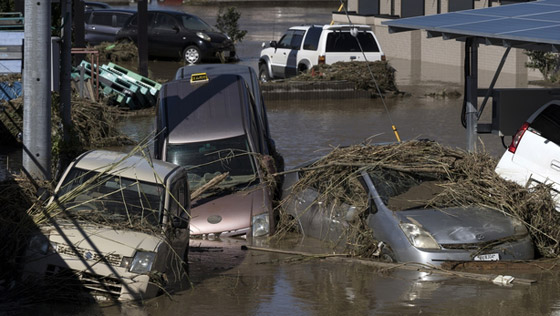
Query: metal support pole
x,y
472,97
79,29
36,89
65,79
143,37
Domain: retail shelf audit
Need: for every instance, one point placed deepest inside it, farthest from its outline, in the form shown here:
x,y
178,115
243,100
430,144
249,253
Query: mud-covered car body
x,y
176,34
121,229
212,127
410,232
534,154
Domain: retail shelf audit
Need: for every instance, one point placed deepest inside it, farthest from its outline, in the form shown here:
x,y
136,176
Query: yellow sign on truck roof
x,y
199,77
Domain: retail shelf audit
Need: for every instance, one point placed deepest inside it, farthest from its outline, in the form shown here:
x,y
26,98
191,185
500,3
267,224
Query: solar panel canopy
x,y
528,25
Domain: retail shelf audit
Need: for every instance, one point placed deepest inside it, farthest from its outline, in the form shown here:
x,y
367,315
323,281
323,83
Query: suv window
x,y
312,38
102,18
548,123
286,40
344,42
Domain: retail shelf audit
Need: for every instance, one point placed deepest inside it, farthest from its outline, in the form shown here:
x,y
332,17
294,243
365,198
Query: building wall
x,y
415,46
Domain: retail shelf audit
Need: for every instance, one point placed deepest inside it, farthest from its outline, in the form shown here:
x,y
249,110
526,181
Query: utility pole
x,y
65,79
143,37
36,89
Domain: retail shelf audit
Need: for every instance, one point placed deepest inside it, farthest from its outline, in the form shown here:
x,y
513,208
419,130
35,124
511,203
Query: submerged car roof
x,y
196,112
134,167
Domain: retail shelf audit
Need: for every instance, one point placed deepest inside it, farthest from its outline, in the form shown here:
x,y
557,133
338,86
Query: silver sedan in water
x,y
408,230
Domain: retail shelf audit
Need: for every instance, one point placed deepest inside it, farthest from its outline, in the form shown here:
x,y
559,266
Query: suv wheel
x,y
302,69
191,55
263,73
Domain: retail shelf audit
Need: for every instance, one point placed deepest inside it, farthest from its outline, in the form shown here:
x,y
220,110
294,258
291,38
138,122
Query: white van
x,y
303,47
534,154
118,227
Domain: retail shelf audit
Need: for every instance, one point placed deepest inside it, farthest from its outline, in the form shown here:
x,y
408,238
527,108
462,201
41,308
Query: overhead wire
x,y
393,126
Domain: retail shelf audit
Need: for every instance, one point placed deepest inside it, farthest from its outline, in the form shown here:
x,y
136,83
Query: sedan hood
x,y
461,225
102,239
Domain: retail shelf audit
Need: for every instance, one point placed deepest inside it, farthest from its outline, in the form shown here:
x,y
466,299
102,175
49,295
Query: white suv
x,y
534,154
303,47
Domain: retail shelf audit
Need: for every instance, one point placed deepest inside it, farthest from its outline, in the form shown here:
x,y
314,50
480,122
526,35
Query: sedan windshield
x,y
111,199
206,160
194,23
404,190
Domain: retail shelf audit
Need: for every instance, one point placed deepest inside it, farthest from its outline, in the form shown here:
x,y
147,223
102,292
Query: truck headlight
x,y
41,244
419,237
142,262
203,36
261,225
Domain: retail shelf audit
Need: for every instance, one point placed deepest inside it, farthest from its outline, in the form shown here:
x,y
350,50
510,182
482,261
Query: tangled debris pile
x,y
356,72
94,123
469,180
116,52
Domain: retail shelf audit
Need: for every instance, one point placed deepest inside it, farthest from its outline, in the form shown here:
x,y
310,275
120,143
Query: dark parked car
x,y
102,25
398,216
93,5
177,34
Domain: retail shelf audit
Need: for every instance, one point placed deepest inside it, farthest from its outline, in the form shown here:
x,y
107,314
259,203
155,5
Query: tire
x,y
263,73
302,69
387,255
191,55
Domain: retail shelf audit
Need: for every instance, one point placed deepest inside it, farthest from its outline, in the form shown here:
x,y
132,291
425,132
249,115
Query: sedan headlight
x,y
142,262
419,237
203,36
261,225
41,244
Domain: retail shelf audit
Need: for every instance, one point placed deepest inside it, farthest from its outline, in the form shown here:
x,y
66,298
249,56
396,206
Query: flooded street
x,y
227,280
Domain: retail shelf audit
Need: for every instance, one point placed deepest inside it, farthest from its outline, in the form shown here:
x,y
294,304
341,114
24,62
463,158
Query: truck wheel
x,y
263,73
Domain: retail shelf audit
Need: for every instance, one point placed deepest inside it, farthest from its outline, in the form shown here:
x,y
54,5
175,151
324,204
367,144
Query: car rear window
x,y
312,38
344,42
548,123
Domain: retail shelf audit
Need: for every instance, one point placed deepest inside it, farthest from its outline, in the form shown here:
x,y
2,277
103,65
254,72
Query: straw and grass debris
x,y
466,179
356,72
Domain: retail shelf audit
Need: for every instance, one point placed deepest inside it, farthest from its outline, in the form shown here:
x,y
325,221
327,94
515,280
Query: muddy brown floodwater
x,y
227,280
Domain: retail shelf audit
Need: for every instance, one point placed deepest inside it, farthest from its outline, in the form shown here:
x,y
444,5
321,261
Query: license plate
x,y
488,257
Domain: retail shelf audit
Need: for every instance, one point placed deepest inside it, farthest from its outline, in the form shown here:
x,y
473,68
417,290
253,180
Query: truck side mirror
x,y
273,44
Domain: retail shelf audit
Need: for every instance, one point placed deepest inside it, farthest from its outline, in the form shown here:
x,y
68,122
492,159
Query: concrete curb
x,y
311,90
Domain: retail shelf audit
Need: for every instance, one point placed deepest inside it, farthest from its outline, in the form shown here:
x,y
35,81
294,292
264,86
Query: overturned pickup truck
x,y
117,227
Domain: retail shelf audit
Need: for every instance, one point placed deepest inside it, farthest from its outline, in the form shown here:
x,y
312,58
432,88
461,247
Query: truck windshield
x,y
111,200
206,160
